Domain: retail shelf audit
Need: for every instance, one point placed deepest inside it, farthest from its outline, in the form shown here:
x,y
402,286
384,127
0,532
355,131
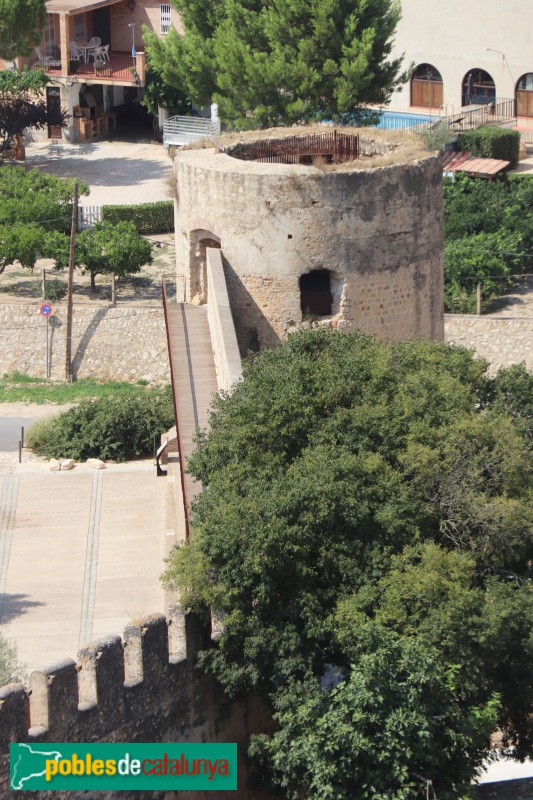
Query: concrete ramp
x,y
194,381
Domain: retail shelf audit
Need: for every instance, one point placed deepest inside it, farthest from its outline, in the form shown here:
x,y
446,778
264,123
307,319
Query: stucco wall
x,y
378,231
108,342
453,37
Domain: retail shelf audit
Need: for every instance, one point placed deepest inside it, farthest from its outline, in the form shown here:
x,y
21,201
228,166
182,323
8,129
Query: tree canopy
x,y
34,206
21,26
365,532
489,237
105,248
270,63
22,105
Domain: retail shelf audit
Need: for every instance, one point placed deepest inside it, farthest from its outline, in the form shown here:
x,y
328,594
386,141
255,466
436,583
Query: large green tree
x,y
21,26
281,62
367,515
34,207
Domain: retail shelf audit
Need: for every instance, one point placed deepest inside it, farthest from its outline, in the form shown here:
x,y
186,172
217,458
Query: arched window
x,y
478,88
315,293
426,86
524,96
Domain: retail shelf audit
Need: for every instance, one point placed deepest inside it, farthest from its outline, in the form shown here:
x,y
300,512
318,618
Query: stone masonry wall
x,y
501,340
145,689
378,232
108,342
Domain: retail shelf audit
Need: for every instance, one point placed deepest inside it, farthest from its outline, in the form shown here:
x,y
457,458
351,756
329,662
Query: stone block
x,y
67,463
55,466
95,463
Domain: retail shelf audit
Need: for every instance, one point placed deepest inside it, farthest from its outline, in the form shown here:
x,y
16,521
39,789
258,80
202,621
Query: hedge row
x,y
492,143
147,217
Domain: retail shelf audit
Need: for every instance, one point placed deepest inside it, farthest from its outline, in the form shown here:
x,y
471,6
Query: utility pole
x,y
73,228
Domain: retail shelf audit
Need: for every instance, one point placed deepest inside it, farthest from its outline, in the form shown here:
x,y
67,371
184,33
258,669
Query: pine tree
x,y
21,25
284,61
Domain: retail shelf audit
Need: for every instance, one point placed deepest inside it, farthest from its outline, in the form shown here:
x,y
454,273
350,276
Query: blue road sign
x,y
46,310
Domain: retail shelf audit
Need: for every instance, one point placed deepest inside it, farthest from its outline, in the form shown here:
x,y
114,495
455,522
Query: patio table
x,y
85,49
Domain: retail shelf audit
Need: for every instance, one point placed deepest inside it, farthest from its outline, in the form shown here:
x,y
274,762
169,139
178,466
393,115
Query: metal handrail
x,y
178,436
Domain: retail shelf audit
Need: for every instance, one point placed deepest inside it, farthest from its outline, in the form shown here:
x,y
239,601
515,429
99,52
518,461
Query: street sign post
x,y
46,310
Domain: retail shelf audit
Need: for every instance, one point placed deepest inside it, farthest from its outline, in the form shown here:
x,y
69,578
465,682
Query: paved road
x,y
10,431
80,554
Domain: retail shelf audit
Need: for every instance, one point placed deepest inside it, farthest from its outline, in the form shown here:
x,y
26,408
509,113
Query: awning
x,y
471,165
77,6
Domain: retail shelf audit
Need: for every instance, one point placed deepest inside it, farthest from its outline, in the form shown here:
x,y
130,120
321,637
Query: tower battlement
x,y
142,688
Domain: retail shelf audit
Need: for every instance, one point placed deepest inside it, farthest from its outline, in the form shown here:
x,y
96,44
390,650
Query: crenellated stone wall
x,y
108,342
143,689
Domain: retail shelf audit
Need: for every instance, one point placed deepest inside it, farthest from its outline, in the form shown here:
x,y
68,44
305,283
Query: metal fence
x,y
180,130
333,147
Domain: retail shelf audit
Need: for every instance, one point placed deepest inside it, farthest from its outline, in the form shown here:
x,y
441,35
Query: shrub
x,y
55,290
147,217
492,142
110,428
38,433
10,670
480,258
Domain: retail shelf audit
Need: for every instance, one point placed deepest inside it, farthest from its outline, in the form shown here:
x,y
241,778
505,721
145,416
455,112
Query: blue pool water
x,y
400,121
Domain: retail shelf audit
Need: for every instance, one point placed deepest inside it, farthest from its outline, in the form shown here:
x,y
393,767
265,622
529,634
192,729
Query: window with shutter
x,y
165,17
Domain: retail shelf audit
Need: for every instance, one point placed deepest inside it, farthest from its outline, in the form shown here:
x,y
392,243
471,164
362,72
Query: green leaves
x,y
117,428
21,27
108,248
489,237
367,506
271,63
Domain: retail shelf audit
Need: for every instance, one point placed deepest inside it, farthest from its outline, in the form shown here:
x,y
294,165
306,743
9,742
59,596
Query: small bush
x,y
147,217
38,432
55,290
491,142
110,428
10,670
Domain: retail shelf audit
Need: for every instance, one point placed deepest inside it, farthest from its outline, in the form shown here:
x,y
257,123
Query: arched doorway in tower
x,y
426,87
478,88
200,240
524,96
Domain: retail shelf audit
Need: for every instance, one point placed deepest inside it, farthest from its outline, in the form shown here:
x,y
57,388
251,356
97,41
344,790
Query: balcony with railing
x,y
121,67
98,44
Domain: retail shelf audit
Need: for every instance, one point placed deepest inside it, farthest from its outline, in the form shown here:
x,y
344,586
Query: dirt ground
x,y
18,284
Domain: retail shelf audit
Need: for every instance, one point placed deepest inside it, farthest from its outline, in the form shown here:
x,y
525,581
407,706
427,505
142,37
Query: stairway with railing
x,y
194,383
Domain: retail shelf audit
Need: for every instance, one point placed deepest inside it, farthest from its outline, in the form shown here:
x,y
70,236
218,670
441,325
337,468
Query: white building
x,y
447,40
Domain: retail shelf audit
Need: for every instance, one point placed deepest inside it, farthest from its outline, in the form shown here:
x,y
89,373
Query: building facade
x,y
465,53
94,85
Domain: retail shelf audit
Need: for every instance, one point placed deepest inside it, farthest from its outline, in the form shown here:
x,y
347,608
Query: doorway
x,y
315,293
53,107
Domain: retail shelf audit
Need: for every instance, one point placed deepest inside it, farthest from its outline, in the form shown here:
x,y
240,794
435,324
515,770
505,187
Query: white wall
x,y
452,36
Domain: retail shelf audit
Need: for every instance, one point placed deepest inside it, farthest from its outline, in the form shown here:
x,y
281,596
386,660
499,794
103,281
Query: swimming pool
x,y
401,121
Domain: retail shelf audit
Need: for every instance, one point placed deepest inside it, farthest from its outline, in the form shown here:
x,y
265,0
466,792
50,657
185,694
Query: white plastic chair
x,y
75,53
95,41
104,52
